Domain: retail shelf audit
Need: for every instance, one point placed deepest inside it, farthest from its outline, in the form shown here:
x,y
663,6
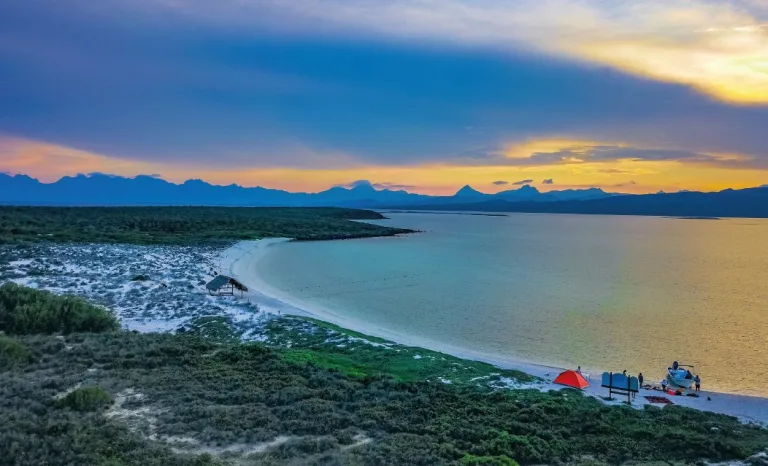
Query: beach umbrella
x,y
572,379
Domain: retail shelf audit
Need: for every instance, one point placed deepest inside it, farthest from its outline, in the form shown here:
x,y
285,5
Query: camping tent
x,y
572,379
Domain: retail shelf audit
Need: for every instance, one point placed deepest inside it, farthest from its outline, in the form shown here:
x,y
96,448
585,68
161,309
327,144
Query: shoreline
x,y
240,261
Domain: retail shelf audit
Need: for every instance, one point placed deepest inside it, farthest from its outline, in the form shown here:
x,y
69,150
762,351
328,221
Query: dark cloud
x,y
606,154
500,183
548,181
394,186
165,92
522,182
581,154
628,183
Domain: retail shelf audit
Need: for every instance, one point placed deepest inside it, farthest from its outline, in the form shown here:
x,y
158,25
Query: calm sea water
x,y
603,292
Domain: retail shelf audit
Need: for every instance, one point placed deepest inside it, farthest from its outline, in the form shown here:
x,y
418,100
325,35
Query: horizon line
x,y
352,185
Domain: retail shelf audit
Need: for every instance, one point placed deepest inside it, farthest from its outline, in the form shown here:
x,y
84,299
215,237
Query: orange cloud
x,y
48,162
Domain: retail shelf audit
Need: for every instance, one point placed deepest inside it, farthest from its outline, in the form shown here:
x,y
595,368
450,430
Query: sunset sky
x,y
424,95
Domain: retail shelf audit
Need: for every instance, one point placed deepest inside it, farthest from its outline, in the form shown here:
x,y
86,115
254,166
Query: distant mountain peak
x,y
196,182
19,176
468,191
362,185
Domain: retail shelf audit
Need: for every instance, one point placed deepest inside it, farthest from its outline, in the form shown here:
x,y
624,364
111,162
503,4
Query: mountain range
x,y
751,202
98,189
102,189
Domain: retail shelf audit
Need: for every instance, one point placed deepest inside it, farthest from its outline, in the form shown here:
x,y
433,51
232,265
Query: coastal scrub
x,y
190,395
183,225
310,341
27,311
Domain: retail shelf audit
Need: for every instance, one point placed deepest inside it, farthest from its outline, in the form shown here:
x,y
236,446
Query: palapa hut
x,y
221,284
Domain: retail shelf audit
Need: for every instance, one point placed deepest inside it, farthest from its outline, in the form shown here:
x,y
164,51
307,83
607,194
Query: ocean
x,y
602,292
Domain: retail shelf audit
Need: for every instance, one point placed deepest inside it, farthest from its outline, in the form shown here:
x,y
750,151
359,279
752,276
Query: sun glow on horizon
x,y
49,162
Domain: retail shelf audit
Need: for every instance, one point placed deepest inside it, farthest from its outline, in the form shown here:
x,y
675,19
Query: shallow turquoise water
x,y
603,292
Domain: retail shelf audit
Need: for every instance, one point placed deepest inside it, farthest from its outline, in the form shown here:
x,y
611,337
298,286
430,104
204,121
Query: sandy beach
x,y
240,261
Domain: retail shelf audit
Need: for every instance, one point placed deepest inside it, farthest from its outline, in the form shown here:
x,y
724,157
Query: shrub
x,y
86,399
25,311
13,353
472,460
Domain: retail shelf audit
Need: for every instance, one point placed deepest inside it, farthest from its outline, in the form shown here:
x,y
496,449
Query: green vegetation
x,y
330,328
226,395
183,225
310,341
13,353
86,399
28,311
472,460
213,328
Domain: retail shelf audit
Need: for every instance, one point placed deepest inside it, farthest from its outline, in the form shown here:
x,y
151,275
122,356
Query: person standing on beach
x,y
697,380
640,380
578,369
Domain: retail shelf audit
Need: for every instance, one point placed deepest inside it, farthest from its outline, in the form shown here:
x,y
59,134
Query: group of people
x,y
696,381
688,376
664,383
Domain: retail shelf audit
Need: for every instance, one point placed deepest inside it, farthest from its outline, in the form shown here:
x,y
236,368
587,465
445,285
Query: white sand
x,y
240,262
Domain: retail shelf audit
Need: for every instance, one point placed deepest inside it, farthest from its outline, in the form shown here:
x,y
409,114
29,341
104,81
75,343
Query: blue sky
x,y
308,94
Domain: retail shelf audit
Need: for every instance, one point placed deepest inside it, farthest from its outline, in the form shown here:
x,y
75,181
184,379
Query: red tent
x,y
572,379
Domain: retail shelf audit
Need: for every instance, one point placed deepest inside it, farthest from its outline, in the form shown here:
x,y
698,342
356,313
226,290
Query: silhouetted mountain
x,y
104,189
525,193
751,202
576,194
468,191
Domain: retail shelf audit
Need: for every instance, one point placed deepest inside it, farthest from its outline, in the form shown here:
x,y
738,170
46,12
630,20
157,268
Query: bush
x,y
183,225
472,460
13,353
224,394
86,399
25,311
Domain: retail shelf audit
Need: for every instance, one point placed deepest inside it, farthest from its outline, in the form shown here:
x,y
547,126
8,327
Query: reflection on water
x,y
602,292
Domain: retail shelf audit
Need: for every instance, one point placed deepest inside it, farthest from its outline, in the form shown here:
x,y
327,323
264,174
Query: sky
x,y
423,95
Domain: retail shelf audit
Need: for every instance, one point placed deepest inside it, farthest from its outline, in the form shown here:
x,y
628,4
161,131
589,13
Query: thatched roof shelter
x,y
224,285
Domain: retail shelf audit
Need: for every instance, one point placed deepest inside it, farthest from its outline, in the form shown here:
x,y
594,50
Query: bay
x,y
603,292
